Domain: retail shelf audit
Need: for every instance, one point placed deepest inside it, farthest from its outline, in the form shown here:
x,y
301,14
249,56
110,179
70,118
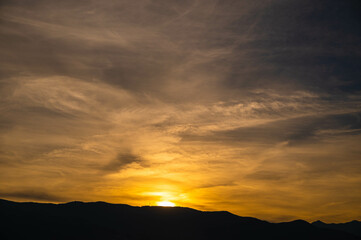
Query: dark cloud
x,y
301,44
121,161
293,131
278,45
33,194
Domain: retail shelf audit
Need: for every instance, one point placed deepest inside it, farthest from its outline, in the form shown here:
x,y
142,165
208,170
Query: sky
x,y
249,106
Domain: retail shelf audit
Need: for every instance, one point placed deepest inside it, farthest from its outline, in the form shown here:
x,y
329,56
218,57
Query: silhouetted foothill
x,y
100,220
353,227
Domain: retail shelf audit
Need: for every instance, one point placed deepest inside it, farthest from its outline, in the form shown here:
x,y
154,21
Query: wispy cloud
x,y
249,106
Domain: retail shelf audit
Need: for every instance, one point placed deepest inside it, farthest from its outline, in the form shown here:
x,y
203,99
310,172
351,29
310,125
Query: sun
x,y
165,204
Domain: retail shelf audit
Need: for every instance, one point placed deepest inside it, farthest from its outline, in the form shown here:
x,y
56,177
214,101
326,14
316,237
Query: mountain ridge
x,y
101,220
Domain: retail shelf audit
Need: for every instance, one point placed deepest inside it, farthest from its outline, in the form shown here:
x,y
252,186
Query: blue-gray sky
x,y
249,106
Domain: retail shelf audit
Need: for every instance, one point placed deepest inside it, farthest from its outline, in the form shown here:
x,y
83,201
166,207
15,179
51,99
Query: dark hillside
x,y
99,220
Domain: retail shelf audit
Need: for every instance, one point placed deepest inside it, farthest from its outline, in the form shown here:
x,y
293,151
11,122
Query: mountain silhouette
x,y
100,220
353,227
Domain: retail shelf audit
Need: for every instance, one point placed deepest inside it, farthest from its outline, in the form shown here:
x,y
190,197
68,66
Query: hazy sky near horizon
x,y
250,106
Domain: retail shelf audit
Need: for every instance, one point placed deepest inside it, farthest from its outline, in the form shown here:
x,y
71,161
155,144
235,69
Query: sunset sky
x,y
248,106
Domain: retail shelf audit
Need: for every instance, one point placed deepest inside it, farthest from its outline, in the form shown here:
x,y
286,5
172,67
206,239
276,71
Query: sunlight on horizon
x,y
165,204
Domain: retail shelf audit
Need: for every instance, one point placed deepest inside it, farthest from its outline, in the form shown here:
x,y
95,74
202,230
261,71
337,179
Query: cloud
x,y
255,102
294,130
33,194
121,161
267,175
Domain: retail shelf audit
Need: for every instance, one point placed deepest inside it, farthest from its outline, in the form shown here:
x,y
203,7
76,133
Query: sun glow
x,y
165,204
